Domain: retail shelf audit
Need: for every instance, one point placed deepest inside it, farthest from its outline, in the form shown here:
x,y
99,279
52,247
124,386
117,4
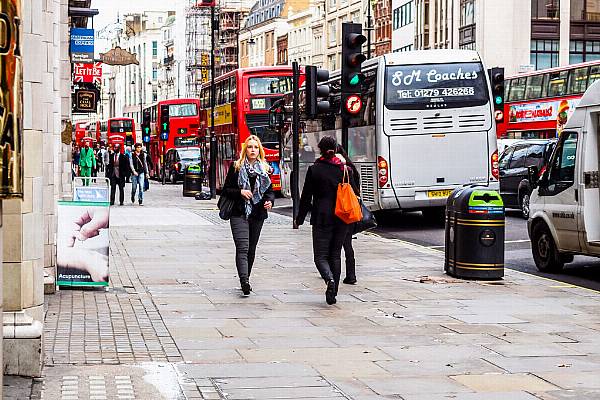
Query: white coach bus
x,y
426,127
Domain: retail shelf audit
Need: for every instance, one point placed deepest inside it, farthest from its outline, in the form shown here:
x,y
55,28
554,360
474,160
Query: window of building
x,y
585,10
331,61
154,48
355,17
154,73
406,16
332,32
467,12
545,9
581,51
160,20
544,53
332,3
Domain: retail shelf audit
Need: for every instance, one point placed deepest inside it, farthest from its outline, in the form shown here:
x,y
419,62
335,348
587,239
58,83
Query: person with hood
x,y
328,231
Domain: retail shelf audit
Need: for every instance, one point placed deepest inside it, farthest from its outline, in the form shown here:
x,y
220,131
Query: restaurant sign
x,y
118,56
85,100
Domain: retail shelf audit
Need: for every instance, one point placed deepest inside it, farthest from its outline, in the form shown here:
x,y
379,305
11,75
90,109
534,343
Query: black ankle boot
x,y
245,286
330,292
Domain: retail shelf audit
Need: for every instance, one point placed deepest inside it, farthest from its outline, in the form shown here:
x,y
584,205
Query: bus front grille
x,y
256,120
403,124
367,184
471,121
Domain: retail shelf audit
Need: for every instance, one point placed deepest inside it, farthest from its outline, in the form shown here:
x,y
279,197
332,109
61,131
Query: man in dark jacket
x,y
115,171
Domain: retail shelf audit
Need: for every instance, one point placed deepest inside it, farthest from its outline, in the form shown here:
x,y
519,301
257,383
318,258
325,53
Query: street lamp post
x,y
213,138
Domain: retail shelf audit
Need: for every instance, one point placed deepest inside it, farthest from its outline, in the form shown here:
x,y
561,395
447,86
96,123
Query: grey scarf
x,y
260,186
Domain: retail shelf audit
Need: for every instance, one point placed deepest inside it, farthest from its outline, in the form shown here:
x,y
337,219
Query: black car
x,y
515,171
178,159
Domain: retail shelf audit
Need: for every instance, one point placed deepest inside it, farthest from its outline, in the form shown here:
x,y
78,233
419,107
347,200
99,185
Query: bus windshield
x,y
413,87
121,125
268,137
270,85
189,154
183,110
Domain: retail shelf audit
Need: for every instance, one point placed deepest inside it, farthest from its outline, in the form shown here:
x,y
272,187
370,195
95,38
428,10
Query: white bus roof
x,y
431,57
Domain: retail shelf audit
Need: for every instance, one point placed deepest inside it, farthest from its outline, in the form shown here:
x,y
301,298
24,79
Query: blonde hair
x,y
261,153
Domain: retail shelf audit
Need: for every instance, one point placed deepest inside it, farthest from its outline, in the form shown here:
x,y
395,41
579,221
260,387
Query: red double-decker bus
x,y
539,103
242,101
117,130
84,134
184,122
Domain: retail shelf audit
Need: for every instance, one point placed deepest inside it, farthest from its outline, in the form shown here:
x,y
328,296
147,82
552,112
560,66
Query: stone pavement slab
x,y
405,331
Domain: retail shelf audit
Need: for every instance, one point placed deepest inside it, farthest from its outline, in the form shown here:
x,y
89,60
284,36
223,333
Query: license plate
x,y
438,193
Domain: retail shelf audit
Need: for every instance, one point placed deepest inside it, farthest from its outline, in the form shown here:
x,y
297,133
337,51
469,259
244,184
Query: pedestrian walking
x,y
115,170
139,171
350,278
75,161
249,186
87,161
328,231
128,155
100,158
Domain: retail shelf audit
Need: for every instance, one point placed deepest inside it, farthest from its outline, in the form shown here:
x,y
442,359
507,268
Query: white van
x,y
565,208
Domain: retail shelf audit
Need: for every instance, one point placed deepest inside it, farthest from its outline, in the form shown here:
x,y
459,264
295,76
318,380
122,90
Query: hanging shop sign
x,y
85,100
118,56
11,100
89,73
82,45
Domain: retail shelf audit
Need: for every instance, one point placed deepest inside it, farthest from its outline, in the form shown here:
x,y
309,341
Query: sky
x,y
109,9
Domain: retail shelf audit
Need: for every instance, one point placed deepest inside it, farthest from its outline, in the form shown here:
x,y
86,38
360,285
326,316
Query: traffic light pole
x,y
162,158
295,143
213,139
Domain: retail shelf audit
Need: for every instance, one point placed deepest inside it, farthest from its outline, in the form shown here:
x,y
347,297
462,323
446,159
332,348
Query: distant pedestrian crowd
x,y
120,165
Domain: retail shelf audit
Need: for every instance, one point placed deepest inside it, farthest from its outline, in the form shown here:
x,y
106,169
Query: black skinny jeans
x,y
349,255
114,182
327,249
246,233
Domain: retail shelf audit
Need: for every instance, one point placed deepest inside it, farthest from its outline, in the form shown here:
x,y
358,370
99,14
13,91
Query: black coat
x,y
320,192
123,166
232,190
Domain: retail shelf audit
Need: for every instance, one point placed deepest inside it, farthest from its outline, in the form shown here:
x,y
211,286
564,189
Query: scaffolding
x,y
230,14
197,35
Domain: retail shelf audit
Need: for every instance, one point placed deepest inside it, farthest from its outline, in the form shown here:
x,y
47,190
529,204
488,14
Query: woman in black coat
x,y
249,185
328,231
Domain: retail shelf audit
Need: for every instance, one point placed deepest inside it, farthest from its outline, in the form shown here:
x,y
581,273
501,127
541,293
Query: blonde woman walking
x,y
249,186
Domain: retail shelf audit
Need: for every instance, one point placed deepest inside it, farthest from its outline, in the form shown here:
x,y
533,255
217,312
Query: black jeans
x,y
327,249
246,233
114,182
349,254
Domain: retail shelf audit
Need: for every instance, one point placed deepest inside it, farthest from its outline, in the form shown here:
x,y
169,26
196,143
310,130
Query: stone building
x,y
383,27
29,225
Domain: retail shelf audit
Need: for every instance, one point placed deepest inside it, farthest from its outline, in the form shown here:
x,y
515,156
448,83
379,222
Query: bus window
x,y
534,87
557,83
218,93
517,89
232,89
270,85
183,110
578,80
594,74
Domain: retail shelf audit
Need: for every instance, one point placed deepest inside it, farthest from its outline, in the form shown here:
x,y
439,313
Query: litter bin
x,y
192,180
474,234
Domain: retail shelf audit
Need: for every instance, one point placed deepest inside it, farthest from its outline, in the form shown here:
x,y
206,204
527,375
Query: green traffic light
x,y
498,99
164,125
355,80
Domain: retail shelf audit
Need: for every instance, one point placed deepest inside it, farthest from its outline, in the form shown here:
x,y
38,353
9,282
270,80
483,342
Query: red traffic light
x,y
355,39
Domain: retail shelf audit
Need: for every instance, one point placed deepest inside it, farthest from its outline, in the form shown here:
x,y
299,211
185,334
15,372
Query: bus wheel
x,y
545,254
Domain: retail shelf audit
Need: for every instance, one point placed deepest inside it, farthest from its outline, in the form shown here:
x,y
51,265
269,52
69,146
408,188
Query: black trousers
x,y
349,255
327,249
246,233
114,182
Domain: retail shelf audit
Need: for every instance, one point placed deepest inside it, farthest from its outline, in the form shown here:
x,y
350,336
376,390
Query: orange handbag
x,y
347,207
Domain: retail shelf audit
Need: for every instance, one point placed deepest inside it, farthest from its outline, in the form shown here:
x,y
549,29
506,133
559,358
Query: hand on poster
x,y
84,225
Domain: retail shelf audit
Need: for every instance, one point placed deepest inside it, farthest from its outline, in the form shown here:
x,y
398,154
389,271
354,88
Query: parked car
x,y
519,164
178,159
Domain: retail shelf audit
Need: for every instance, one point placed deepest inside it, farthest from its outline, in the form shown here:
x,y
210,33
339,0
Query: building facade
x,y
300,38
403,25
29,225
258,38
168,71
337,12
383,27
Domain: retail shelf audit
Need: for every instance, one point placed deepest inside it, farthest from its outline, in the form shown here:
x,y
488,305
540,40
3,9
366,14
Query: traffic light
x,y
314,91
146,126
352,77
164,122
497,82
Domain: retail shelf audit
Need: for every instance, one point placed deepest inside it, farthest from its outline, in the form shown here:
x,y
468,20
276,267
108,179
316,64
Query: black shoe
x,y
246,287
133,198
120,204
140,202
330,292
349,281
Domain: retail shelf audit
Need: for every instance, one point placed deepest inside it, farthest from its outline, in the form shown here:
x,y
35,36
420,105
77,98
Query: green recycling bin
x,y
474,244
192,180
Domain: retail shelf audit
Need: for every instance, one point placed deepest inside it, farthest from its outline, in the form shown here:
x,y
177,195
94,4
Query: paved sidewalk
x,y
174,324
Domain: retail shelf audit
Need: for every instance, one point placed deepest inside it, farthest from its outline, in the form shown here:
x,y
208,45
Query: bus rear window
x,y
183,110
270,85
121,125
435,86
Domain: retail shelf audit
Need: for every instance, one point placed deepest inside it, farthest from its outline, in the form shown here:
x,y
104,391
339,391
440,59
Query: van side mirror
x,y
533,175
